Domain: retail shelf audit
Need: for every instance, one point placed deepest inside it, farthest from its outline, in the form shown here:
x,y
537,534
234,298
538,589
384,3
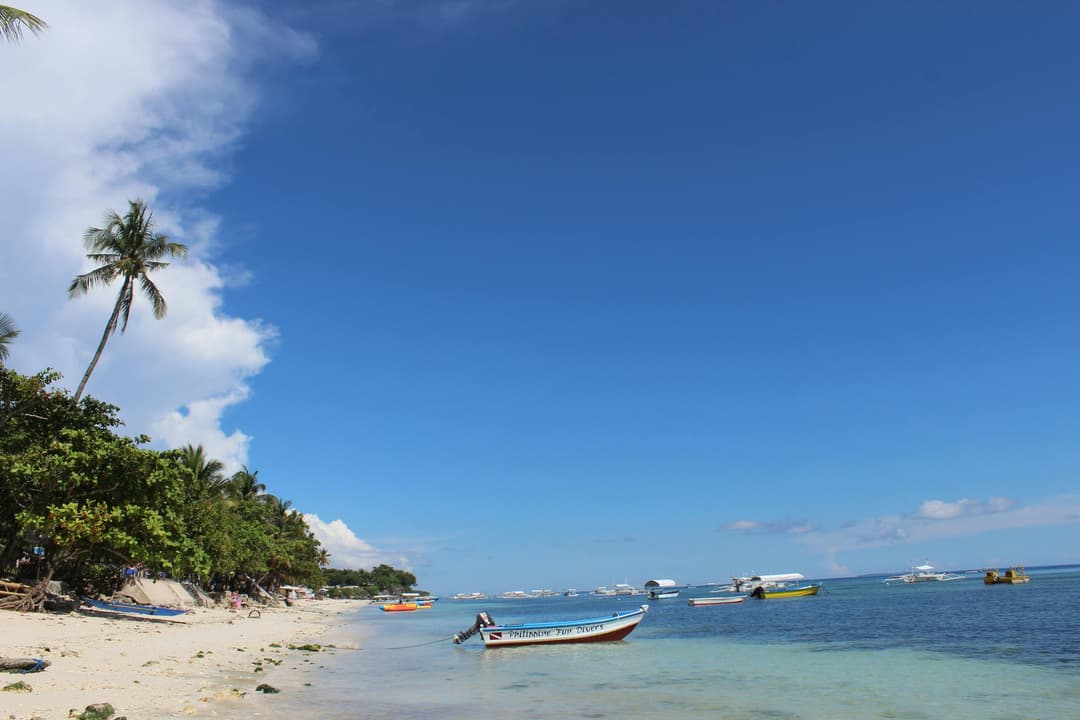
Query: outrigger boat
x,y
805,591
923,573
597,629
703,601
132,608
1013,576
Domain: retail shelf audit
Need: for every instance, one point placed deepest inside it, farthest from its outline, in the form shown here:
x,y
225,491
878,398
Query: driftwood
x,y
23,664
23,598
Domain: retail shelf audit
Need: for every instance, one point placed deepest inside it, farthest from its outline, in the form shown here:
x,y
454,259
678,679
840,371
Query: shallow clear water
x,y
859,650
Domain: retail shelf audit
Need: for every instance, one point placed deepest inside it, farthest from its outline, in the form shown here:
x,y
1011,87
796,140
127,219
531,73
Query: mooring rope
x,y
430,642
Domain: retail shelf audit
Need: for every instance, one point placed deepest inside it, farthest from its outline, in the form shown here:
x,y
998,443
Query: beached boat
x,y
1013,576
598,629
661,589
705,601
923,573
804,591
132,608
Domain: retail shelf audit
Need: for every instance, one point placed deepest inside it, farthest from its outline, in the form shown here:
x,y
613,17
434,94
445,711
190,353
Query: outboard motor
x,y
482,620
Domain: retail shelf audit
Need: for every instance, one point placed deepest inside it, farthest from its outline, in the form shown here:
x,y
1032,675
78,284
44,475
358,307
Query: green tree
x,y
8,332
206,473
13,21
71,485
244,485
128,248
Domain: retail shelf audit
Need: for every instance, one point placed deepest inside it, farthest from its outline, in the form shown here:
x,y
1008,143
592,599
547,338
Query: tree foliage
x,y
93,498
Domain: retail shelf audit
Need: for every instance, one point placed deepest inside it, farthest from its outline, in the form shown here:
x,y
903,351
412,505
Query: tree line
x,y
79,501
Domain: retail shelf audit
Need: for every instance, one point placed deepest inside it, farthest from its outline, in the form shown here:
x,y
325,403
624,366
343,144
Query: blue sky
x,y
550,294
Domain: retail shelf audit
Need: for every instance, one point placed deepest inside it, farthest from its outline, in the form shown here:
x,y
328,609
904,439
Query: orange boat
x,y
400,607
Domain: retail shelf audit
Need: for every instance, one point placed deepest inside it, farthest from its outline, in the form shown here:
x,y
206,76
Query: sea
x,y
860,649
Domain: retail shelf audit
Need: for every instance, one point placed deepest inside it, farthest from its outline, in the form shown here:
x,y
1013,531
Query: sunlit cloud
x,y
347,551
89,125
935,519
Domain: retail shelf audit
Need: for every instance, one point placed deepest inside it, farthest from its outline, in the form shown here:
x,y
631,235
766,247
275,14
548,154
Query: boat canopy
x,y
665,583
782,577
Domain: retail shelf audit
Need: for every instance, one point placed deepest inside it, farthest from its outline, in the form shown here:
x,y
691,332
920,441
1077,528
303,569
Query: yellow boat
x,y
1013,576
763,594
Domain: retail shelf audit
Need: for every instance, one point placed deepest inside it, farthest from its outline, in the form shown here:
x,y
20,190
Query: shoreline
x,y
207,662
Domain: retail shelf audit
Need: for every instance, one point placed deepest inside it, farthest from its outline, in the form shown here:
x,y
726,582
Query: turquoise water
x,y
859,650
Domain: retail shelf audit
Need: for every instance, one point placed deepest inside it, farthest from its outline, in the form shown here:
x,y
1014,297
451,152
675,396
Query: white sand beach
x,y
203,663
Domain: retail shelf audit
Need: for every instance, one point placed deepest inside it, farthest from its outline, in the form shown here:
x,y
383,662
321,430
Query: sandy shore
x,y
207,662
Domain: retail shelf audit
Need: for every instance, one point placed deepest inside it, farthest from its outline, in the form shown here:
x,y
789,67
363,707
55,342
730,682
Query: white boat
x,y
598,629
703,601
603,591
470,596
923,573
661,589
769,582
515,595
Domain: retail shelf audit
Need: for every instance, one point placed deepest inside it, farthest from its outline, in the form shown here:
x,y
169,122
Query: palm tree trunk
x,y
110,328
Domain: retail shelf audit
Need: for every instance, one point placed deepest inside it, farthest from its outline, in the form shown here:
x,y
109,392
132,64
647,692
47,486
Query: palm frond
x,y
14,21
151,292
8,332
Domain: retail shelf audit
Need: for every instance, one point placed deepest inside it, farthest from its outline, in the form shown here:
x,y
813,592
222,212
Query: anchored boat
x,y
597,629
703,601
1013,576
763,594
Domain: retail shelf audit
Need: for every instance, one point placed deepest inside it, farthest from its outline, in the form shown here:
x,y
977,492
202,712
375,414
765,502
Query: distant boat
x,y
572,592
661,589
753,582
1013,576
597,629
923,573
132,608
470,596
704,601
763,594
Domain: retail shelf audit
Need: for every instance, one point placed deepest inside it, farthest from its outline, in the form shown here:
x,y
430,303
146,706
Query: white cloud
x,y
778,527
124,100
936,519
941,510
347,551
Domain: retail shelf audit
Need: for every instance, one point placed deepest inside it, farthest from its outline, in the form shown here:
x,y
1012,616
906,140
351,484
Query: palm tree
x,y
13,21
128,248
244,485
8,332
206,472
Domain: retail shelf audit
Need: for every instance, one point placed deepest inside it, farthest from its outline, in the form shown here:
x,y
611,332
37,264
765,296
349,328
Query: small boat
x,y
923,573
402,607
133,608
804,591
769,582
597,629
704,601
661,589
1013,576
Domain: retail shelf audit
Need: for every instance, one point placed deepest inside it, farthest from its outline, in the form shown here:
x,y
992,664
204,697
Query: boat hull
x,y
601,629
133,609
703,602
792,593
